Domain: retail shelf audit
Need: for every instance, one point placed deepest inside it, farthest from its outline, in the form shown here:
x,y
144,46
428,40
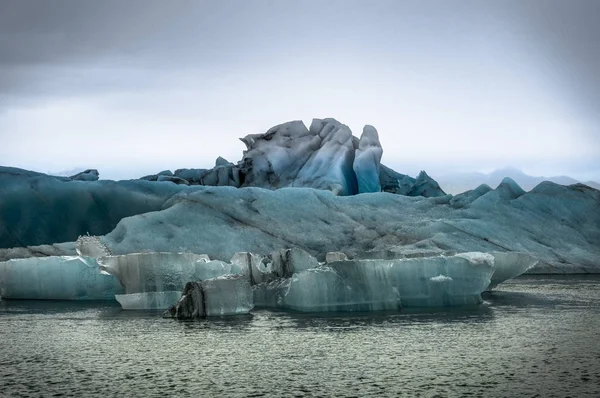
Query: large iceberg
x,y
56,278
38,209
42,215
325,156
558,225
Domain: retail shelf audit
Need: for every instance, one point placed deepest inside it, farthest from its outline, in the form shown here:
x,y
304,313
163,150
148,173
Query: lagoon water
x,y
535,336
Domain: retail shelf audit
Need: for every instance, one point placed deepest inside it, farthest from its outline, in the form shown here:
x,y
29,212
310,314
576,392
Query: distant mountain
x,y
461,182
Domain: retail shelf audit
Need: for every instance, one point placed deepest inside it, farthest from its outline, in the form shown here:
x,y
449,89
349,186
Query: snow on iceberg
x,y
56,278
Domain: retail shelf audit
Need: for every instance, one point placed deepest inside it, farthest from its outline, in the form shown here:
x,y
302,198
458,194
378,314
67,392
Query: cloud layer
x,y
134,87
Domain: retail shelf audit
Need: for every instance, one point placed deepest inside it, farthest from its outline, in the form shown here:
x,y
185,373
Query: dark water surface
x,y
536,336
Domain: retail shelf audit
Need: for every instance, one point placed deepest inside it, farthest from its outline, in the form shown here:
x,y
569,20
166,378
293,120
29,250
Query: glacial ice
x,y
466,198
507,190
161,272
372,285
558,225
509,265
367,160
426,186
292,155
148,300
56,278
287,278
37,209
278,264
193,176
86,175
225,295
402,184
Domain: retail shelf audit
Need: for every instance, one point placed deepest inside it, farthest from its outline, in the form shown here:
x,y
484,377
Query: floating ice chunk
x,y
225,295
470,275
371,285
148,300
367,161
325,290
56,278
509,265
440,278
159,272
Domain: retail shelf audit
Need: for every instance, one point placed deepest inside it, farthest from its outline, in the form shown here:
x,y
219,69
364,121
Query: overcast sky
x,y
135,87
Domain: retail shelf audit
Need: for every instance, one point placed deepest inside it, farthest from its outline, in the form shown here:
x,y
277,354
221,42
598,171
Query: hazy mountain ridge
x,y
456,183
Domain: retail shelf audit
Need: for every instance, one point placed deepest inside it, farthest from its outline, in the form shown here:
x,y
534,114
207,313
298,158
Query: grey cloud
x,y
567,33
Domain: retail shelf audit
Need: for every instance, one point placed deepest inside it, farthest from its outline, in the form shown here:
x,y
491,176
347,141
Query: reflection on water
x,y
534,336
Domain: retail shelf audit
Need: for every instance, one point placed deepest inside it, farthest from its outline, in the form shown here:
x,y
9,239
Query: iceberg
x,y
325,156
374,285
558,225
287,278
161,272
56,278
37,209
291,155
